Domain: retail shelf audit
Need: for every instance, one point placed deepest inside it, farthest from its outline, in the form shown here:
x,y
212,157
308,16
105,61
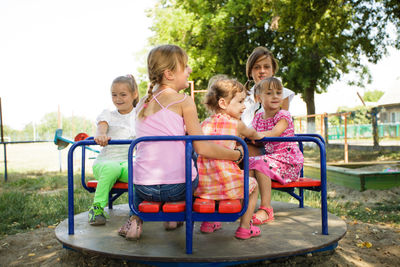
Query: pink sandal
x,y
270,213
134,229
210,227
243,233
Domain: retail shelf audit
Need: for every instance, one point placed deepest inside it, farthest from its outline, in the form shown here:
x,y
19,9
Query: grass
x,y
39,199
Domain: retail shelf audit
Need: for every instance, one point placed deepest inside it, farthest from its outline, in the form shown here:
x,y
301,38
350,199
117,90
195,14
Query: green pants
x,y
107,173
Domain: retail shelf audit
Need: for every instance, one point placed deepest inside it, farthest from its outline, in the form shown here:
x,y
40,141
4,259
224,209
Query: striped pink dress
x,y
221,179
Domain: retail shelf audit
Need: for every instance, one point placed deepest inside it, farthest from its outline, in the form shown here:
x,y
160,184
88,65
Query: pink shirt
x,y
160,162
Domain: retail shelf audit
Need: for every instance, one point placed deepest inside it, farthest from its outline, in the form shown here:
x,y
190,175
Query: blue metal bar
x,y
316,138
313,135
188,216
71,176
187,138
301,194
189,196
301,149
71,190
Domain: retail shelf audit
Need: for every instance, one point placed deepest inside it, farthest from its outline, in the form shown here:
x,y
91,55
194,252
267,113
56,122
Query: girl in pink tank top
x,y
165,111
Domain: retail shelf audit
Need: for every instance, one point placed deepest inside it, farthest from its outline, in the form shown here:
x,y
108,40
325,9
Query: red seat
x,y
117,185
229,206
301,182
149,206
174,206
204,205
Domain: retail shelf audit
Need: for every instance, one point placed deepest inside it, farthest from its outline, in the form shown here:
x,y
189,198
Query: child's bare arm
x,y
279,128
250,133
207,149
101,137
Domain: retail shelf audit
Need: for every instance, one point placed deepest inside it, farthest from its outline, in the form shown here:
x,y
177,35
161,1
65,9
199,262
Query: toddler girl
x,y
159,167
223,179
283,160
111,164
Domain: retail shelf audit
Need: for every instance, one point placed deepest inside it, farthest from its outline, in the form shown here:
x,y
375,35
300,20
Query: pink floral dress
x,y
283,160
221,179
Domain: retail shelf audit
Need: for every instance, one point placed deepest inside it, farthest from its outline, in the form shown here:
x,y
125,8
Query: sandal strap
x,y
269,211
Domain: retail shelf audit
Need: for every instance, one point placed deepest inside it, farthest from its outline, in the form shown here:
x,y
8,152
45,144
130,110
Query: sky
x,y
66,53
59,53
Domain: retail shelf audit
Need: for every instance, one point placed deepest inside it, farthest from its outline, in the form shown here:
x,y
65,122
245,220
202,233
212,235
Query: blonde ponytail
x,y
149,96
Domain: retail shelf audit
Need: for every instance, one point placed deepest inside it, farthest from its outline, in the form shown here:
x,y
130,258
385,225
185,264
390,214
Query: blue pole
x,y
71,190
324,203
189,196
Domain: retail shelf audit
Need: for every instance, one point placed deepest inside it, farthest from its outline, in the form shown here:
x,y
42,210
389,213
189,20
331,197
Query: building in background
x,y
389,105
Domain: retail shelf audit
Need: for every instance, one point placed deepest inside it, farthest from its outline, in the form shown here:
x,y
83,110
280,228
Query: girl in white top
x,y
111,164
261,64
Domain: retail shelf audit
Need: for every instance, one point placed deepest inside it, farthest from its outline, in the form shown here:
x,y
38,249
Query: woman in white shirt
x,y
261,64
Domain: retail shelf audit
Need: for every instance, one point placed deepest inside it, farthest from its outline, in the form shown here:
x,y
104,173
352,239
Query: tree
x,y
316,42
392,9
373,96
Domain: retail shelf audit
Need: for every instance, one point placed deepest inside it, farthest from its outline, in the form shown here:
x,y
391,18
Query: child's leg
x,y
255,149
107,173
124,172
246,218
264,184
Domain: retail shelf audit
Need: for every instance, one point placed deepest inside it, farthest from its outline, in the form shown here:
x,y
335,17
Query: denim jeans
x,y
162,193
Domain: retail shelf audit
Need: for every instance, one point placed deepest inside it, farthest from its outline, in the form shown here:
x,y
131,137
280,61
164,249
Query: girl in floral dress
x,y
283,160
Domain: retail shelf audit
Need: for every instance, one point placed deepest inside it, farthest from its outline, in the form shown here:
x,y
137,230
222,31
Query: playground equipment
x,y
62,142
361,175
295,230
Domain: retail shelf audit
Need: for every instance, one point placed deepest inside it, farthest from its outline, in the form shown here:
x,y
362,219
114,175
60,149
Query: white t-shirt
x,y
120,126
252,107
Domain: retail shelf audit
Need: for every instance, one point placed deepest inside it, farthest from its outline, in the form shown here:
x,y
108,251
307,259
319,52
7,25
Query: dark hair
x,y
131,82
221,86
254,56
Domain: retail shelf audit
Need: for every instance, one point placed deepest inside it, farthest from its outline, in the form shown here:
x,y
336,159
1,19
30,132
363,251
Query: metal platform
x,y
295,231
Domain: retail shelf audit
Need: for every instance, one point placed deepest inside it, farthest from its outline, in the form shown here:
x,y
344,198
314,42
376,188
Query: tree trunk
x,y
309,99
374,121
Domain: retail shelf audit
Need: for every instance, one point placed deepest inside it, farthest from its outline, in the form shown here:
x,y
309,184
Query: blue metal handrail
x,y
321,144
71,175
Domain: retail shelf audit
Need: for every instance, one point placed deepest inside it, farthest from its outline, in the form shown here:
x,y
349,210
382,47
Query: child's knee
x,y
109,169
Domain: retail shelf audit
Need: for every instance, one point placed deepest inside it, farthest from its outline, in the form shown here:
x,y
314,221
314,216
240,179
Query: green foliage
x,y
316,42
373,96
393,12
359,115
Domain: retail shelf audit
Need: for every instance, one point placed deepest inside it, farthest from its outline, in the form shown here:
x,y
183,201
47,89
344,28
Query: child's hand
x,y
256,136
267,134
102,140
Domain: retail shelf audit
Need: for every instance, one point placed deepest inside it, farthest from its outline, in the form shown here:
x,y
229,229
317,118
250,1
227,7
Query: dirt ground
x,y
363,245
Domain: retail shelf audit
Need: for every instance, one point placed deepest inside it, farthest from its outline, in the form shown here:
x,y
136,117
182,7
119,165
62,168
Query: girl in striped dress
x,y
223,179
